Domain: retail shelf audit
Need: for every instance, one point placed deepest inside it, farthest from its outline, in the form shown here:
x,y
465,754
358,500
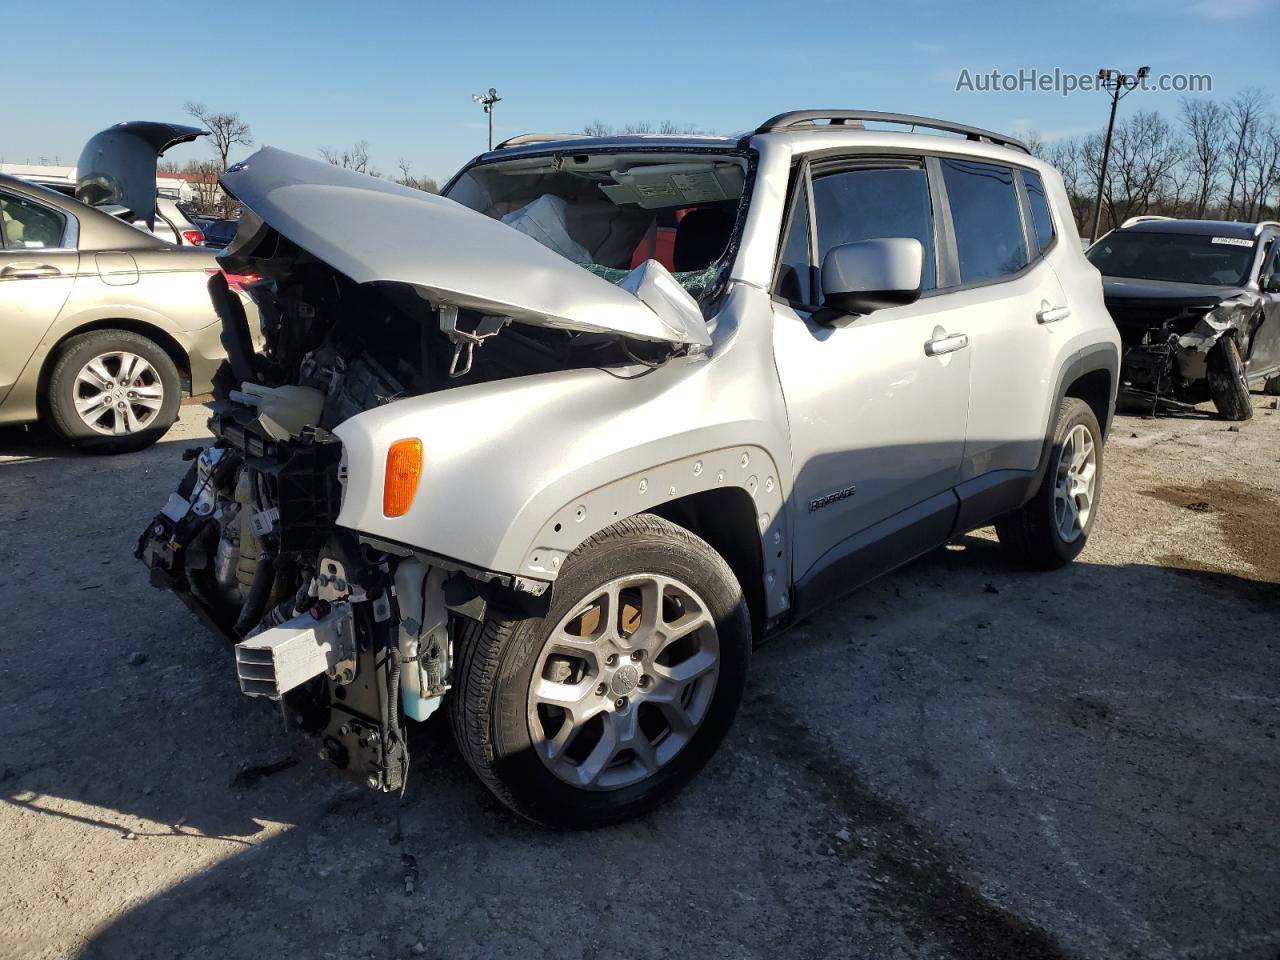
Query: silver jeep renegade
x,y
553,450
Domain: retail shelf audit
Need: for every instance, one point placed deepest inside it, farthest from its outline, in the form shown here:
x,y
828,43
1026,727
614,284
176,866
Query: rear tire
x,y
112,391
1051,529
581,770
1227,383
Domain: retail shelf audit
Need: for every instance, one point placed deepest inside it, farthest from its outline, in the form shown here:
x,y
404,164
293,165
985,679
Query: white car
x,y
508,455
173,225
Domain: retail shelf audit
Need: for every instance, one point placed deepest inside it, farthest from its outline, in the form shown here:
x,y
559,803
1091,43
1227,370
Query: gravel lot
x,y
962,760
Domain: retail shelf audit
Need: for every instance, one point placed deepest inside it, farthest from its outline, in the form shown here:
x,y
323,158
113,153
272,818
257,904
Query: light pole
x,y
1119,84
488,99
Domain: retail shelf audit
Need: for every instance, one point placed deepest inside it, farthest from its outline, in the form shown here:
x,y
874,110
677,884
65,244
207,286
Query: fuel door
x,y
117,269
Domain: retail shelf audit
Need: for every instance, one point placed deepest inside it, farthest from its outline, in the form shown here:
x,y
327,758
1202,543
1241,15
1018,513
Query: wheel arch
x,y
1091,375
731,497
162,338
1097,389
726,519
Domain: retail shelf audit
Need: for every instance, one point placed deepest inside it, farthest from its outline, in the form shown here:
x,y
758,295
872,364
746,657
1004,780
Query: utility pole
x,y
1119,84
488,99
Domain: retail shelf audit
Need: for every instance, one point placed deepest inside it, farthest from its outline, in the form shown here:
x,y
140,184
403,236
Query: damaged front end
x,y
368,293
345,637
1167,341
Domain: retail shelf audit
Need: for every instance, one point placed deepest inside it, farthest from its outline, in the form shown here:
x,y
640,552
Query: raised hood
x,y
118,165
376,231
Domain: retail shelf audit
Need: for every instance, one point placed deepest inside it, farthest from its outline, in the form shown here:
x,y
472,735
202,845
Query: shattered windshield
x,y
610,212
1179,257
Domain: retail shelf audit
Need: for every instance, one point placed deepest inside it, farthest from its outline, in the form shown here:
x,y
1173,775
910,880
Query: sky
x,y
401,77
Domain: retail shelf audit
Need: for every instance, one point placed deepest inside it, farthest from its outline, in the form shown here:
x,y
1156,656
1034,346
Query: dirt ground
x,y
963,760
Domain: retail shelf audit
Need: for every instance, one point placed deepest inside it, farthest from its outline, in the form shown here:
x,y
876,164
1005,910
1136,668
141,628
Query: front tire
x,y
1227,383
1051,529
602,709
112,391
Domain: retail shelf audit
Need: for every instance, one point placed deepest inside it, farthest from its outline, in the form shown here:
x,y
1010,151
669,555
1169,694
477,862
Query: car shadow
x,y
918,759
38,441
1136,407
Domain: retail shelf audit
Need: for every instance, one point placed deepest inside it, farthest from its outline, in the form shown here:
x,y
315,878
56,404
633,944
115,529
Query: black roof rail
x,y
527,138
793,119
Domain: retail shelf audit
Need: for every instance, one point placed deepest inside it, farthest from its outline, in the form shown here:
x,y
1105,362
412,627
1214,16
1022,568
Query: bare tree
x,y
1143,173
1077,175
1263,169
598,128
1035,144
1244,112
1219,160
1205,123
408,179
204,184
1147,157
226,130
355,157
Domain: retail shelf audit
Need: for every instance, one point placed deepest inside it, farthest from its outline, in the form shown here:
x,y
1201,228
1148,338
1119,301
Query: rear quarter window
x,y
1041,220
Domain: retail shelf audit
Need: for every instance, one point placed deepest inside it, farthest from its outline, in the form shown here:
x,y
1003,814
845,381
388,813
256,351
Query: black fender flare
x,y
1090,359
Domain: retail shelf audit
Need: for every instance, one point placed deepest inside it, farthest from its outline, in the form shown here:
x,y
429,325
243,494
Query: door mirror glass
x,y
870,275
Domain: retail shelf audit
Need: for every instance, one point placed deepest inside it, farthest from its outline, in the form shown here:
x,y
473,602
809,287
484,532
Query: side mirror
x,y
872,274
1271,284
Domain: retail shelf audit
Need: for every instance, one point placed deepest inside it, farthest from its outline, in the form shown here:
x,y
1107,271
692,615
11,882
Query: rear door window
x,y
1271,264
28,225
986,218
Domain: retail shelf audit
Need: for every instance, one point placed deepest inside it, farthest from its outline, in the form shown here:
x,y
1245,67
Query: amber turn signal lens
x,y
404,469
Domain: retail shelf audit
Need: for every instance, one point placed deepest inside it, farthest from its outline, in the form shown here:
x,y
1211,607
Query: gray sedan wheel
x,y
112,391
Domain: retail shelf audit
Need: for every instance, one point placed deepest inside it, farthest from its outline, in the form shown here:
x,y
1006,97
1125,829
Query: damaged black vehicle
x,y
1197,303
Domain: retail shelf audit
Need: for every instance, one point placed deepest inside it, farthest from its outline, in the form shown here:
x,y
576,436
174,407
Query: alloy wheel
x,y
1074,490
623,682
118,393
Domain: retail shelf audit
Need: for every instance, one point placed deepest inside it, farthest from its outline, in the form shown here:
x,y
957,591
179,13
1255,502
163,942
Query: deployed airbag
x,y
546,220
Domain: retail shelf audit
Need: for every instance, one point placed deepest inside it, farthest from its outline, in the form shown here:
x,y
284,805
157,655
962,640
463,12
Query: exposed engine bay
x,y
350,634
1167,342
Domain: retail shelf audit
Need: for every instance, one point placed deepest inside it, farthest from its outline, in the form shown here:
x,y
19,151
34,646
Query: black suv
x,y
1197,303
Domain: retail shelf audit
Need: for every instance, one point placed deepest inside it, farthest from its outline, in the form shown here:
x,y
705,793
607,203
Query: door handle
x,y
26,271
949,344
1048,314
